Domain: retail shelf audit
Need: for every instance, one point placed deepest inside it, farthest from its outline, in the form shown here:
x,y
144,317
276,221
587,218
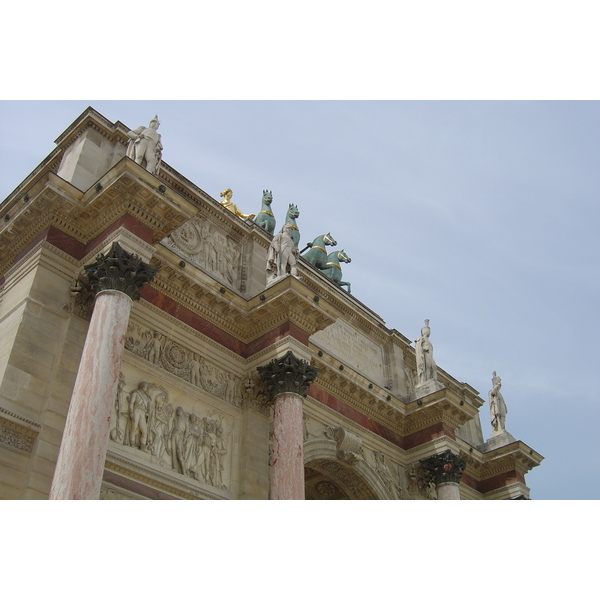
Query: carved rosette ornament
x,y
287,375
445,467
119,270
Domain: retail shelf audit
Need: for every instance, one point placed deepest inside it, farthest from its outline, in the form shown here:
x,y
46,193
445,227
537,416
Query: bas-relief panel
x,y
168,428
162,352
353,348
205,246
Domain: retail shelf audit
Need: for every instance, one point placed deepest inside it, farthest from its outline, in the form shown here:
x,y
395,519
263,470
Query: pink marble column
x,y
80,465
448,491
116,279
287,462
286,380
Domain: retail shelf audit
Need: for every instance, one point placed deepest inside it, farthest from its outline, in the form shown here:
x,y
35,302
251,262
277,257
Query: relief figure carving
x,y
147,421
205,246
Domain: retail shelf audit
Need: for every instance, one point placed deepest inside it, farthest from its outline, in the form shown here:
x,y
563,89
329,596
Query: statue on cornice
x,y
265,218
230,206
426,367
145,145
498,410
282,257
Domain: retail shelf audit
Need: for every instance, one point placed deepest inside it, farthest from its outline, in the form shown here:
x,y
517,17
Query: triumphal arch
x,y
158,343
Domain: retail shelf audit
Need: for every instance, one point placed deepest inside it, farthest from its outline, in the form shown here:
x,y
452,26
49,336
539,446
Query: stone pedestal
x,y
445,470
115,278
286,380
424,389
497,440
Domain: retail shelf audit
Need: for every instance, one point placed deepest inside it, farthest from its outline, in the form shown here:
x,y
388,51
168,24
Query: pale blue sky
x,y
480,216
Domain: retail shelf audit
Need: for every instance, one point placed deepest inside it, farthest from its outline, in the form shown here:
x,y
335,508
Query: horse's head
x,y
343,257
293,211
328,240
267,197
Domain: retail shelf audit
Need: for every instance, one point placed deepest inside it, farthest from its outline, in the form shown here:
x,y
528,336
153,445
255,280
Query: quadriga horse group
x,y
314,253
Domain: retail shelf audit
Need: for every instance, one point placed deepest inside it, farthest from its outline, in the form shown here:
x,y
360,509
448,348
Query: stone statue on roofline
x,y
230,206
426,367
282,257
498,410
145,146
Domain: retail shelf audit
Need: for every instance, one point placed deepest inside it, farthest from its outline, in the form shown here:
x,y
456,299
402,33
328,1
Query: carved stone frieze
x,y
385,474
420,485
288,374
349,445
312,428
16,435
193,445
255,396
444,467
119,270
205,246
82,298
108,493
171,356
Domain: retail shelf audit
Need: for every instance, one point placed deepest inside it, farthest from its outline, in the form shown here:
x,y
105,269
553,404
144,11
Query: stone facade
x,y
191,417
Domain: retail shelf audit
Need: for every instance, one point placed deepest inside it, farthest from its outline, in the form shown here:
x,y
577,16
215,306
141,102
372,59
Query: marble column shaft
x,y
448,491
115,278
286,380
287,463
78,474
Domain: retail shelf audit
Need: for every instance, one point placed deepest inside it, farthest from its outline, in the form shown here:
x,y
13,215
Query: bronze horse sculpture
x,y
333,270
317,255
265,218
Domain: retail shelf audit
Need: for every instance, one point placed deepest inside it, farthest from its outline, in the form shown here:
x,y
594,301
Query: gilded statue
x,y
230,206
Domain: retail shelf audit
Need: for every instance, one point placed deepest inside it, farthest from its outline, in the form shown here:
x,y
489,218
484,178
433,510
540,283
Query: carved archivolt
x,y
346,478
190,366
192,445
205,246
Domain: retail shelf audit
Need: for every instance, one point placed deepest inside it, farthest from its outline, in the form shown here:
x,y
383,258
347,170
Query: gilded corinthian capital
x,y
444,467
287,375
119,270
